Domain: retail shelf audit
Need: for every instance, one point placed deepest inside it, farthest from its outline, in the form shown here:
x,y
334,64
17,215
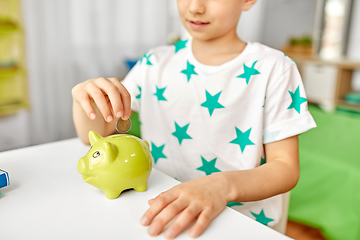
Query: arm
x,y
97,105
280,174
195,199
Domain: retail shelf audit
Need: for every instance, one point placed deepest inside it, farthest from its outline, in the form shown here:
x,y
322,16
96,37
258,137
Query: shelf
x,y
342,104
8,26
9,66
13,76
5,71
12,108
343,63
12,88
328,81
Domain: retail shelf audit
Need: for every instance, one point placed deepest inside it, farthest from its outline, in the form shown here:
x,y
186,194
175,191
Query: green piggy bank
x,y
116,163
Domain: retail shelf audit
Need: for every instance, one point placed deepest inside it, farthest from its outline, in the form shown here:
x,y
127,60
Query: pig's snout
x,y
81,166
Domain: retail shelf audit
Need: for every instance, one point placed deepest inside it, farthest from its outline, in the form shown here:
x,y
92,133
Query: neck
x,y
217,51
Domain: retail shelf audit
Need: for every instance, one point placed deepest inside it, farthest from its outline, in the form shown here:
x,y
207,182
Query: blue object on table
x,y
130,63
4,179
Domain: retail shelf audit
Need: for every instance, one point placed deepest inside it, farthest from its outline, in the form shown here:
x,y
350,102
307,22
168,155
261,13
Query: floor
x,y
299,231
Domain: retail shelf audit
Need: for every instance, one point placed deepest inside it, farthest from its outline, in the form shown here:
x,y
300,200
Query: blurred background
x,y
48,46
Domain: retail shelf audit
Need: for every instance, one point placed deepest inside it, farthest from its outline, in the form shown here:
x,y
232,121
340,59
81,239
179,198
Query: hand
x,y
202,198
109,95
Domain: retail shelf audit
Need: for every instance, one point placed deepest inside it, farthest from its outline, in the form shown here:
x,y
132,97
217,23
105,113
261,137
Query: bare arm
x,y
97,104
205,197
279,175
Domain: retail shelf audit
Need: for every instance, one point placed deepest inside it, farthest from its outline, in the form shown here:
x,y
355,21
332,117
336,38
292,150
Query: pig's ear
x,y
110,151
93,137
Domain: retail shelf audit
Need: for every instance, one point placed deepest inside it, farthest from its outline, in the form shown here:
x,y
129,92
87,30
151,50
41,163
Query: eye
x,y
96,154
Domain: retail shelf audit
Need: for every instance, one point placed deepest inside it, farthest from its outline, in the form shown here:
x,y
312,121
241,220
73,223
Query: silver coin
x,y
123,126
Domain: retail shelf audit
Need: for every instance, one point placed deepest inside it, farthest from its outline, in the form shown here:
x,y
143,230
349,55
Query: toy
x,y
4,179
116,163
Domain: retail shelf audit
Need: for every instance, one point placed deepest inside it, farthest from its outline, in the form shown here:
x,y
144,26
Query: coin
x,y
123,126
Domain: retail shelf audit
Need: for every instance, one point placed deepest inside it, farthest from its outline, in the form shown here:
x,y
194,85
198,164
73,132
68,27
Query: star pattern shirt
x,y
203,119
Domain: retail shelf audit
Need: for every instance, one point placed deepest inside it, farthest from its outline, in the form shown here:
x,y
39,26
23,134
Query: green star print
x,y
261,218
262,161
139,95
248,72
230,204
212,102
180,132
290,58
147,57
180,45
160,93
157,152
189,71
242,139
296,100
208,167
264,101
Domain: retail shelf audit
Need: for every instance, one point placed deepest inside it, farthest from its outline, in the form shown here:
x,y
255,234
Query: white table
x,y
47,199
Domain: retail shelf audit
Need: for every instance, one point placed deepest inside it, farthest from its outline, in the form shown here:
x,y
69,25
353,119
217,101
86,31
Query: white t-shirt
x,y
203,119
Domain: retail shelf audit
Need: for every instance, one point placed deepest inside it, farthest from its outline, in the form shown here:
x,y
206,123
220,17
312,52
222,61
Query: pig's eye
x,y
96,154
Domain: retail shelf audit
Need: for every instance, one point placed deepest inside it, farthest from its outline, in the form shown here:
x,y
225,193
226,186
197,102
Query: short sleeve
x,y
286,109
132,83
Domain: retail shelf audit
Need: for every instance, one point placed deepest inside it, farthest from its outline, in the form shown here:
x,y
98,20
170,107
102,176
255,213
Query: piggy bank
x,y
116,163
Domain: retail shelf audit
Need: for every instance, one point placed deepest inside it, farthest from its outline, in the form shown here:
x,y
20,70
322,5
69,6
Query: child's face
x,y
211,19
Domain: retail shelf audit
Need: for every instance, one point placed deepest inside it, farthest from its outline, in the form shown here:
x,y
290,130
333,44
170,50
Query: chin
x,y
202,35
203,38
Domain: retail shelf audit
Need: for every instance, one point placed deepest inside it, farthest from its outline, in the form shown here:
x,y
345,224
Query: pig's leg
x,y
111,194
142,187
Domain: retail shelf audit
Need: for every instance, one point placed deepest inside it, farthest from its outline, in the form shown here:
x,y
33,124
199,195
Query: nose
x,y
81,166
197,7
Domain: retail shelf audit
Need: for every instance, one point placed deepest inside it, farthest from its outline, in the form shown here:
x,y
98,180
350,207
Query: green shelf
x,y
13,77
12,108
8,27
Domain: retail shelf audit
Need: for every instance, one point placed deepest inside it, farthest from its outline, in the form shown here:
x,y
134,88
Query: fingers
x,y
158,204
85,103
202,223
123,107
183,204
110,96
151,201
187,214
184,219
96,92
165,217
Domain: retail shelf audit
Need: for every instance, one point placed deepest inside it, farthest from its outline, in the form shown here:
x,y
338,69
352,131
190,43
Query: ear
x,y
248,4
94,137
110,151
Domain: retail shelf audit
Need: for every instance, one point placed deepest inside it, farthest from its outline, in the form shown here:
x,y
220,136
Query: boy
x,y
213,109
